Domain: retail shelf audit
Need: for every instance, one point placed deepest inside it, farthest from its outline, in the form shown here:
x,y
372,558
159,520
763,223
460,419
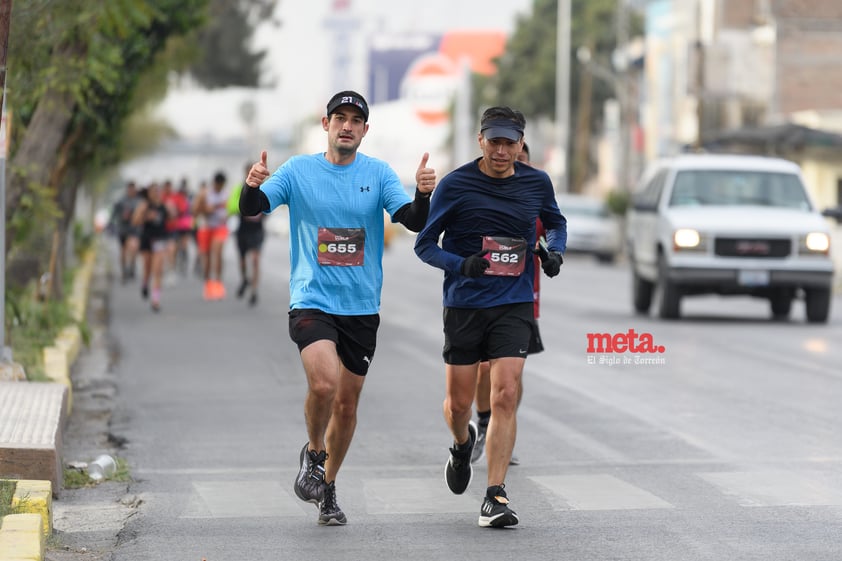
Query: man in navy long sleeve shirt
x,y
487,211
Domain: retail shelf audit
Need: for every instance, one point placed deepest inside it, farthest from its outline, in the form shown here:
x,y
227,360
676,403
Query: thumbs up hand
x,y
259,172
425,177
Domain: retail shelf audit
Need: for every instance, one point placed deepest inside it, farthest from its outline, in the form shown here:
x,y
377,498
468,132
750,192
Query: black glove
x,y
475,265
552,263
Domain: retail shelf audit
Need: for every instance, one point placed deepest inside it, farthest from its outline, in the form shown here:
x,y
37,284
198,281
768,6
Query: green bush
x,y
7,491
618,202
33,323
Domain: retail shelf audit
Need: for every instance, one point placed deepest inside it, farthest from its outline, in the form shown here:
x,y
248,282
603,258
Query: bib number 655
x,y
341,248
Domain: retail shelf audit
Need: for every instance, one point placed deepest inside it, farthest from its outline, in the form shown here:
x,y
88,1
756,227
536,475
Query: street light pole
x,y
562,91
5,26
624,183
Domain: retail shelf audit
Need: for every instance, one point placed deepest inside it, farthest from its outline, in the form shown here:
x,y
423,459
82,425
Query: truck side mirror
x,y
833,212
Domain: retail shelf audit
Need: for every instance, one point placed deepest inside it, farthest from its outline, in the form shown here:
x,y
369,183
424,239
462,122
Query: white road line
x,y
414,496
243,499
598,492
774,488
580,492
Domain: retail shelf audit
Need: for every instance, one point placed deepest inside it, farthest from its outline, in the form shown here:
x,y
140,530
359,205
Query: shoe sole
x,y
333,521
295,485
502,520
470,468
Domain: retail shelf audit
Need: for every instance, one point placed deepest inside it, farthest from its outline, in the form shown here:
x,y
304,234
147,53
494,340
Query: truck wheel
x,y
670,295
642,291
781,302
818,304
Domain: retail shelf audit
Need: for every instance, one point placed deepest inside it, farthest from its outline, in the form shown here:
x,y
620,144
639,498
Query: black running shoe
x,y
495,511
244,284
329,512
457,470
144,292
310,482
479,447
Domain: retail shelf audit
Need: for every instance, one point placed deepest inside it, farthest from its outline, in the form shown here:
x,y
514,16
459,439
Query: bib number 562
x,y
509,258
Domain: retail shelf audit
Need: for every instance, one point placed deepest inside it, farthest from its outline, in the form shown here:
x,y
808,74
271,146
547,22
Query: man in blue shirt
x,y
336,201
487,210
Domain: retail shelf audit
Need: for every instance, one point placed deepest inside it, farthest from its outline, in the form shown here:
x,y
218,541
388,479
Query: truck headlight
x,y
687,239
816,242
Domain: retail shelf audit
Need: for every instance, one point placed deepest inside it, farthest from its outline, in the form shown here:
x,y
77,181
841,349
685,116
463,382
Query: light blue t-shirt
x,y
334,211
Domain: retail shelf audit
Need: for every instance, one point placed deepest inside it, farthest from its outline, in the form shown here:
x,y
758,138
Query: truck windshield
x,y
738,188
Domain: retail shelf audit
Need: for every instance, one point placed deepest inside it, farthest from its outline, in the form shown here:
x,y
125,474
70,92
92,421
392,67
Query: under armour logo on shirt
x,y
366,188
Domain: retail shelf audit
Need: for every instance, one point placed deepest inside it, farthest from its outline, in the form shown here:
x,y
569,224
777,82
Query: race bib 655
x,y
342,247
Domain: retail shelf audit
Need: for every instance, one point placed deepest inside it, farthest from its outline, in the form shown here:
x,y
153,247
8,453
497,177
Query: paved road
x,y
724,446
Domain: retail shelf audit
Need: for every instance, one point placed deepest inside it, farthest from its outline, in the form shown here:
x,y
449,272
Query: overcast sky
x,y
302,48
301,54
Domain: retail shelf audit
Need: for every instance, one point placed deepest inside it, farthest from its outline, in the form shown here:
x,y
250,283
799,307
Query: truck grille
x,y
752,247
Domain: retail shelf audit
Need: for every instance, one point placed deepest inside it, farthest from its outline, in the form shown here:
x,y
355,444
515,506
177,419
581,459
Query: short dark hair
x,y
502,122
525,148
503,113
219,177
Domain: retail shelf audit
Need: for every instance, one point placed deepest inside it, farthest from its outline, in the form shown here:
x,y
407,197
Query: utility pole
x,y
624,97
699,80
5,25
562,91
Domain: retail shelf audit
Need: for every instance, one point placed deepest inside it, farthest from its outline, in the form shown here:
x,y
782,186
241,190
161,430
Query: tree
x,y
527,71
72,79
225,58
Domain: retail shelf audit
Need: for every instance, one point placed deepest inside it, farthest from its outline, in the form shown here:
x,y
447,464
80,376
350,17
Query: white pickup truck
x,y
728,225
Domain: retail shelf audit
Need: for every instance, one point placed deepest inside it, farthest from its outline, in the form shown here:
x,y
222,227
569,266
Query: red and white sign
x,y
429,86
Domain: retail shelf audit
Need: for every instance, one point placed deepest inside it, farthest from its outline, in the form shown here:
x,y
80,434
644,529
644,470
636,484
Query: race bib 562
x,y
507,255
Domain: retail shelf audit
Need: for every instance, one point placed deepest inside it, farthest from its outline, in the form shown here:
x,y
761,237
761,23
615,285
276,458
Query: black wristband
x,y
421,195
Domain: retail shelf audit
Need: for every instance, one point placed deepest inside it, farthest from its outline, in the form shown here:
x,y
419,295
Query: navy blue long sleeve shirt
x,y
468,205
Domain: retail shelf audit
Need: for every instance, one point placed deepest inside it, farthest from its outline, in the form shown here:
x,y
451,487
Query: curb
x,y
21,538
35,496
60,356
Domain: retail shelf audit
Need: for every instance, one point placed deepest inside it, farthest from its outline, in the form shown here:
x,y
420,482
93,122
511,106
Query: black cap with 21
x,y
348,97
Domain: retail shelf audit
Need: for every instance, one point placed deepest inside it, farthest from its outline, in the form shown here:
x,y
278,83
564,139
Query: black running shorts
x,y
355,336
248,240
471,335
